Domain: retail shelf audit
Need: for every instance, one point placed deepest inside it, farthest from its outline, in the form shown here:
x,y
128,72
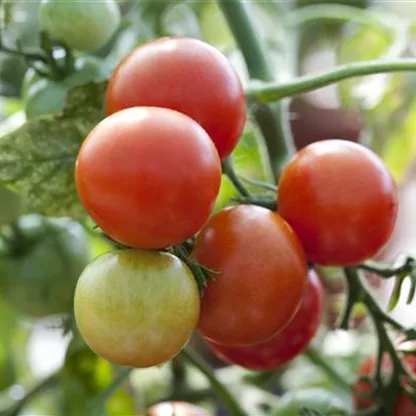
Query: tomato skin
x,y
404,406
176,409
341,201
82,25
135,307
286,345
263,275
39,279
148,176
186,75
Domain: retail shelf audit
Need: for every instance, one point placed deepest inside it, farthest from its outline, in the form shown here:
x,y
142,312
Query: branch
x,y
232,404
45,384
316,358
272,121
271,92
228,170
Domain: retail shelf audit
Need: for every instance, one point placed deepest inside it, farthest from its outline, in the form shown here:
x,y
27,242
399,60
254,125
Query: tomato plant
x,y
82,25
286,345
137,308
122,160
176,409
46,96
39,270
404,406
341,201
262,275
188,76
160,129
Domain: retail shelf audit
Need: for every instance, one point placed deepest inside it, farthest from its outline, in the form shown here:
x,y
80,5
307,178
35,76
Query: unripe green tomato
x,y
317,399
82,25
10,205
39,275
44,96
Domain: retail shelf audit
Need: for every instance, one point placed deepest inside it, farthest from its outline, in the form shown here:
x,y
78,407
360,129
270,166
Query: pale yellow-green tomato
x,y
137,308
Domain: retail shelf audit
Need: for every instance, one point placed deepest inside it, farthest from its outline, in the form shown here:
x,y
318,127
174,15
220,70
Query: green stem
x,y
98,404
228,170
232,404
45,384
265,185
316,358
251,46
354,292
261,201
275,91
272,120
28,55
390,391
56,73
402,265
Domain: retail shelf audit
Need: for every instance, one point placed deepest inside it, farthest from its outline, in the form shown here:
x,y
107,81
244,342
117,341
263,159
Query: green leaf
x,y
38,159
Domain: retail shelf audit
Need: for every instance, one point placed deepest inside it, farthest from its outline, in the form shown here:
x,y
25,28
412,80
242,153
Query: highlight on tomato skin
x,y
186,75
341,201
263,275
289,343
149,177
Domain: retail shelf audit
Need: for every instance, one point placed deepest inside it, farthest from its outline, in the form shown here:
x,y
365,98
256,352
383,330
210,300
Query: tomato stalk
x,y
228,170
45,384
28,55
229,400
272,120
316,358
273,91
261,201
98,405
389,392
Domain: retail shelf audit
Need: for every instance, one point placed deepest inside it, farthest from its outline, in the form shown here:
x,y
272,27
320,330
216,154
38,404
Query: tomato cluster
x,y
149,175
363,390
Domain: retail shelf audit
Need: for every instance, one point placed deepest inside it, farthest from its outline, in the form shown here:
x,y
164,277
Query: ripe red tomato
x,y
188,76
404,406
149,177
341,201
176,409
286,345
263,275
136,308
